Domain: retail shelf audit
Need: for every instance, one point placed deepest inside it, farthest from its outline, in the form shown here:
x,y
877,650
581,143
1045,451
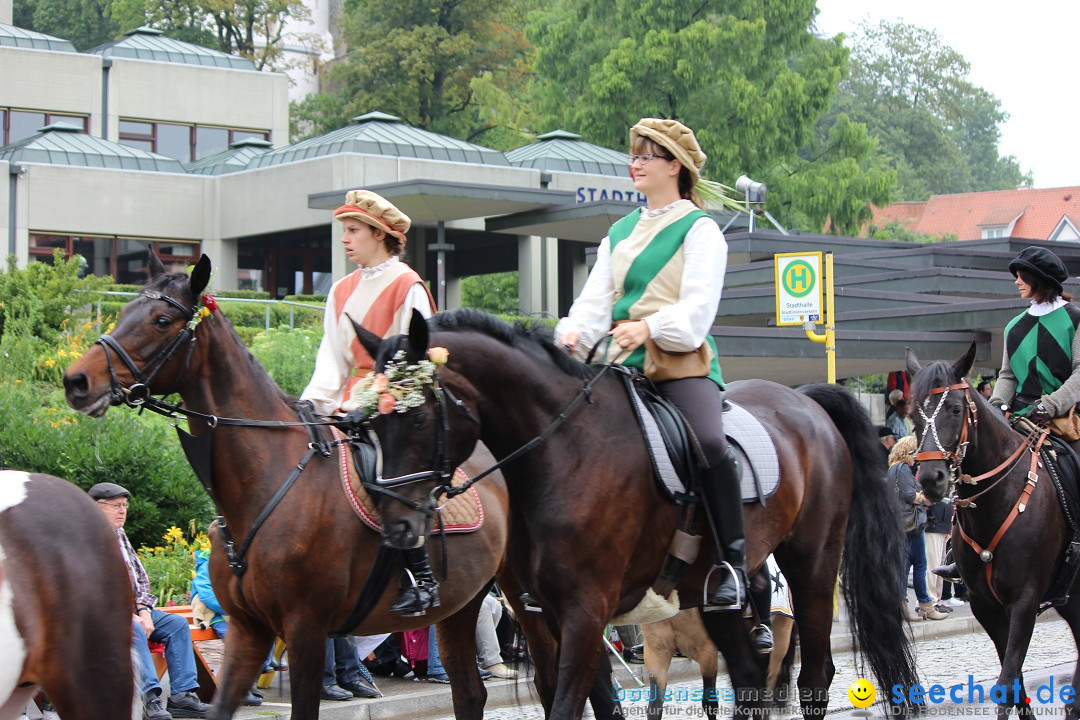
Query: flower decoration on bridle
x,y
399,387
208,308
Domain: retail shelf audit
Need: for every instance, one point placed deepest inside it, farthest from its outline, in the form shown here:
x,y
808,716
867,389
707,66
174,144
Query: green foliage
x,y
140,452
170,565
458,67
936,130
40,297
251,28
86,23
751,79
289,357
896,231
495,293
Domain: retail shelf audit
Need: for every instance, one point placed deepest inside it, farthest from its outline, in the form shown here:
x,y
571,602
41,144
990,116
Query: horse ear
x,y
200,277
418,337
368,340
963,366
154,263
913,364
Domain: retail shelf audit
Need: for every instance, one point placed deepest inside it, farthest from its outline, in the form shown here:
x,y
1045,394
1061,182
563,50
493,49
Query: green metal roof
x,y
564,151
149,44
236,158
380,134
65,144
12,36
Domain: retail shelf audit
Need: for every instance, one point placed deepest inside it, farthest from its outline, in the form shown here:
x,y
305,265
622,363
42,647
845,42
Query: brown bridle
x,y
953,458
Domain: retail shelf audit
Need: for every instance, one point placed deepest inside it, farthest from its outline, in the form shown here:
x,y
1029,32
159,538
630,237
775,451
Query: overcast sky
x,y
1024,53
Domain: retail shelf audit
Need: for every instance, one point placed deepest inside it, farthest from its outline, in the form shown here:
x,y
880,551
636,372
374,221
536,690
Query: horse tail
x,y
874,547
136,679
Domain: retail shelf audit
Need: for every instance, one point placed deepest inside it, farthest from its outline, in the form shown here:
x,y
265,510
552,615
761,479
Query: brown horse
x,y
309,561
590,528
1019,523
65,603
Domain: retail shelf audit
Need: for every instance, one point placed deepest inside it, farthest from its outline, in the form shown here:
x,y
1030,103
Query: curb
x,y
435,700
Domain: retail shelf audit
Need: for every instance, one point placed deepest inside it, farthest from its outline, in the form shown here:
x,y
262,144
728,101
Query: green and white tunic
x,y
1041,358
665,267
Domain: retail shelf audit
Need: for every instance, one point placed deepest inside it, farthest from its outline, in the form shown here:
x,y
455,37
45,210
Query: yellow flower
x,y
50,362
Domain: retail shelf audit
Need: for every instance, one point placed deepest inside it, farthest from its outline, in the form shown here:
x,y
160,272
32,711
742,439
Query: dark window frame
x,y
156,243
193,137
50,118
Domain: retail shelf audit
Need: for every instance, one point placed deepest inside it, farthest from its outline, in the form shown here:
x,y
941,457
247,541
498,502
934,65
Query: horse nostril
x,y
76,385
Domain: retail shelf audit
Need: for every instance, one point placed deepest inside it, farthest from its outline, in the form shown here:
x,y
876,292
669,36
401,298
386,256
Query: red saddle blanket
x,y
462,514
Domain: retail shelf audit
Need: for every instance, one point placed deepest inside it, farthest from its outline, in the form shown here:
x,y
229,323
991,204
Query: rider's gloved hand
x,y
1039,414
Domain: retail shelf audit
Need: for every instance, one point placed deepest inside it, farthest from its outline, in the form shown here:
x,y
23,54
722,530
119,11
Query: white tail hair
x,y
136,679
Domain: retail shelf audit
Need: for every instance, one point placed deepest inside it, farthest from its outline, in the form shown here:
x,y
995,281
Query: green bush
x,y
141,452
43,296
289,357
170,565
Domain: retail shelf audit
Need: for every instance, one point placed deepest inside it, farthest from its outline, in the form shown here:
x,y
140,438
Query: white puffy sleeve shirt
x,y
679,327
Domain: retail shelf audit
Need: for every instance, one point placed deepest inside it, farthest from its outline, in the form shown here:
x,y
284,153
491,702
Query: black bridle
x,y
139,392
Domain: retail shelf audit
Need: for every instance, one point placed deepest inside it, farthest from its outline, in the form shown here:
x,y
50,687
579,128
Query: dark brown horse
x,y
590,529
1020,525
65,602
310,559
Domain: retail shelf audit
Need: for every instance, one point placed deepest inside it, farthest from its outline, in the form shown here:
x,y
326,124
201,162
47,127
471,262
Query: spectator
x,y
938,526
343,678
487,640
149,622
984,389
896,414
207,612
887,440
912,502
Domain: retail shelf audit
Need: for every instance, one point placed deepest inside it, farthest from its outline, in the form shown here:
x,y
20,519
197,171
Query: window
x,y
123,258
997,231
18,125
183,142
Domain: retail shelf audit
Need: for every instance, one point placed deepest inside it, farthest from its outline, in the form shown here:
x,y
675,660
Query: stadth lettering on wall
x,y
591,194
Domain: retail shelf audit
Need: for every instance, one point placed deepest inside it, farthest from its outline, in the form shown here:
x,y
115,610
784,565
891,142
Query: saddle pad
x,y
750,438
462,514
781,595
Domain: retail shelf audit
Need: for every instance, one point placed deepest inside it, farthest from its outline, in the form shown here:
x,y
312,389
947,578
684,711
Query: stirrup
x,y
740,592
531,604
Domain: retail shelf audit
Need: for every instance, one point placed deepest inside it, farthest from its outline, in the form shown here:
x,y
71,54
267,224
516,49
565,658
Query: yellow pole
x,y
829,338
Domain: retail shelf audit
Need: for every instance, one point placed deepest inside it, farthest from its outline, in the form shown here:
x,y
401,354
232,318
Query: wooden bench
x,y
205,675
206,678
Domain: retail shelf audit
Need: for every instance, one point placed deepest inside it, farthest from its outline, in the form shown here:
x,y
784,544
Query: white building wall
x,y
6,11
71,200
52,81
145,90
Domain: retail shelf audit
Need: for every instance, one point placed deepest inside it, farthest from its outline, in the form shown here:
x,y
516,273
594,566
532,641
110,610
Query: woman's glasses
x,y
646,158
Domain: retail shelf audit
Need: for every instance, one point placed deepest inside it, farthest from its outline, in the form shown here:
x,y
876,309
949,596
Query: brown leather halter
x,y
954,458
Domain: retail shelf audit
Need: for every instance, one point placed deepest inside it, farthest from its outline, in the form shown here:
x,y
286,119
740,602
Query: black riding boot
x,y
761,597
423,592
948,570
723,501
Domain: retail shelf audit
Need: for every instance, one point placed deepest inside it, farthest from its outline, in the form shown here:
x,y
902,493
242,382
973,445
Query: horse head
x,y
427,429
150,345
946,412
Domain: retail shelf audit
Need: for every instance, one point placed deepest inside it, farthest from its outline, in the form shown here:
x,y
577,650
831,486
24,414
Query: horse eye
x,y
420,420
163,321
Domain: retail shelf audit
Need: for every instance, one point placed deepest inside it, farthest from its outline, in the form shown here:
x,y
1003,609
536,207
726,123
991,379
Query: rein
x,y
1032,442
585,394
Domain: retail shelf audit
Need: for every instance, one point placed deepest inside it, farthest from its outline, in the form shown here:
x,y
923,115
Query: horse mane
x,y
177,284
534,339
935,375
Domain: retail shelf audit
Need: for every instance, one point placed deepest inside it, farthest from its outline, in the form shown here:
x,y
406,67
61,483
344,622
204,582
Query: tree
x,y
935,128
86,23
457,67
750,78
495,293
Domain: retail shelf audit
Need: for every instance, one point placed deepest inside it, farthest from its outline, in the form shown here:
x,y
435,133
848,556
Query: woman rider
x,y
381,295
1040,370
658,276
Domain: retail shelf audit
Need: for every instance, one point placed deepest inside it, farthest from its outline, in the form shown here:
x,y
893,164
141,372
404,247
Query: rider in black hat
x,y
1045,332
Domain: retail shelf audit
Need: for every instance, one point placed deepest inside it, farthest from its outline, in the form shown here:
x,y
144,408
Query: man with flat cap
x,y
149,622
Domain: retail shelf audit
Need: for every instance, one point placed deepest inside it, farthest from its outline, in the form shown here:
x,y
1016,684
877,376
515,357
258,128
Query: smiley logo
x,y
862,693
